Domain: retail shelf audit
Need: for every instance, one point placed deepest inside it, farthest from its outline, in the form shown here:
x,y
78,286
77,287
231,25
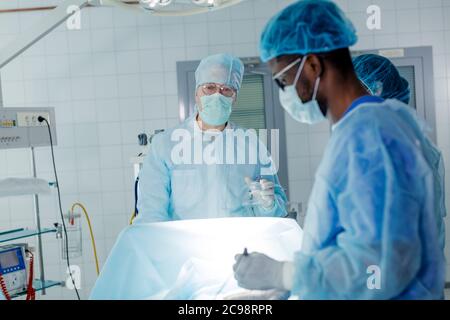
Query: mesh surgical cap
x,y
381,77
221,68
309,26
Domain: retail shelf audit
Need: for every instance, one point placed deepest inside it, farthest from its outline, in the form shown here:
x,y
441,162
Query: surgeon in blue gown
x,y
370,230
382,79
188,174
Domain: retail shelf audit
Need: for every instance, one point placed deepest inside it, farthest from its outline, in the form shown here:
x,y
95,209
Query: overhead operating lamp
x,y
173,7
61,13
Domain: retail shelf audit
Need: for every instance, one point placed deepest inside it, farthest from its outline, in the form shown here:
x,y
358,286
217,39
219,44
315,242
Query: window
x,y
408,73
249,110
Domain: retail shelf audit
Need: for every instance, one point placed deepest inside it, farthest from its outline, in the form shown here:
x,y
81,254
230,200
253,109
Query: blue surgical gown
x,y
177,186
434,158
370,230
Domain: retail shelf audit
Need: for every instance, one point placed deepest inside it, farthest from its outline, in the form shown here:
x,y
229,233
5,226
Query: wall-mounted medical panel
x,y
20,128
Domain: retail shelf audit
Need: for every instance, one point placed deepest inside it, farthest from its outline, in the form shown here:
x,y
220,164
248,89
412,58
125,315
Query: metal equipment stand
x,y
38,224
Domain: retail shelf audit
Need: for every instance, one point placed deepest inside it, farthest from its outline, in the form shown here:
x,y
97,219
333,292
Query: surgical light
x,y
153,3
173,7
208,3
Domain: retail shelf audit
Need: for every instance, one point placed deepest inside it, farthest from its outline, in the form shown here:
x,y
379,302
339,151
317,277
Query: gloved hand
x,y
263,192
259,272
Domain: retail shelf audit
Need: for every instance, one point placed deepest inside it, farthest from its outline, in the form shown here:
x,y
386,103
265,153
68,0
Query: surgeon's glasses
x,y
213,88
279,77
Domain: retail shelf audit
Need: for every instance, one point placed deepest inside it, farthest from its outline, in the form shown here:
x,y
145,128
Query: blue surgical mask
x,y
304,112
216,109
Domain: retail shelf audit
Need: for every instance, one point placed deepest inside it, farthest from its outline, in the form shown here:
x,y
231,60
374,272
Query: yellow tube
x,y
132,217
91,232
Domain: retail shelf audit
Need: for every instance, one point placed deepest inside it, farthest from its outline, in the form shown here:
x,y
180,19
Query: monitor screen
x,y
8,259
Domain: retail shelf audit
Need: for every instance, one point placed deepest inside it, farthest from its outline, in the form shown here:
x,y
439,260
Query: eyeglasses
x,y
279,79
213,88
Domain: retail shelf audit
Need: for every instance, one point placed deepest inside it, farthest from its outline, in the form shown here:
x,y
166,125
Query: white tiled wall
x,y
117,77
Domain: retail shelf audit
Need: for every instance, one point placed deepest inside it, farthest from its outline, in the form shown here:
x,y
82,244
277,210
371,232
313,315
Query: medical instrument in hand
x,y
251,187
261,193
245,253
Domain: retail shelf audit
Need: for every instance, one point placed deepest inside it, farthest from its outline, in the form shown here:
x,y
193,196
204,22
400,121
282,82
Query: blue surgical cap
x,y
309,26
381,77
220,68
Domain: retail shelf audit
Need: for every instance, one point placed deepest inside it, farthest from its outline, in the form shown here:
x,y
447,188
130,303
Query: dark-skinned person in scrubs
x,y
370,230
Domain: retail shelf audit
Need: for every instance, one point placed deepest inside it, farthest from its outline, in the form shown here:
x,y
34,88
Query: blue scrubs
x,y
169,190
370,230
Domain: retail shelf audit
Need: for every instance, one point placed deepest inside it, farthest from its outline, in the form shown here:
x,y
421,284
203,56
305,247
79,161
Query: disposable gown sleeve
x,y
377,233
154,185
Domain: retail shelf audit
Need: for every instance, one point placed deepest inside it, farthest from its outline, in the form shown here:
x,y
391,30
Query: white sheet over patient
x,y
190,259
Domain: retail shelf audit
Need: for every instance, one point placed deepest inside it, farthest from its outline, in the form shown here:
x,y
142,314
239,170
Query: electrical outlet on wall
x,y
30,119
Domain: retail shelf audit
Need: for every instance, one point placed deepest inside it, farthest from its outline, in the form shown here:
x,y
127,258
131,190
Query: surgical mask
x,y
304,112
216,109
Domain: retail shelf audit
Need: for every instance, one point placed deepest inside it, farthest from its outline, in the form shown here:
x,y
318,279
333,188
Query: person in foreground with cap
x,y
205,167
370,230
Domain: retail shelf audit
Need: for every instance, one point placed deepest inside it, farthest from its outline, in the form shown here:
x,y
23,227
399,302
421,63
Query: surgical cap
x,y
221,68
381,77
309,26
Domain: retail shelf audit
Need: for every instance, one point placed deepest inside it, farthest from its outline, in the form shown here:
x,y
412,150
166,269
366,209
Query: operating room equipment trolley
x,y
19,128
